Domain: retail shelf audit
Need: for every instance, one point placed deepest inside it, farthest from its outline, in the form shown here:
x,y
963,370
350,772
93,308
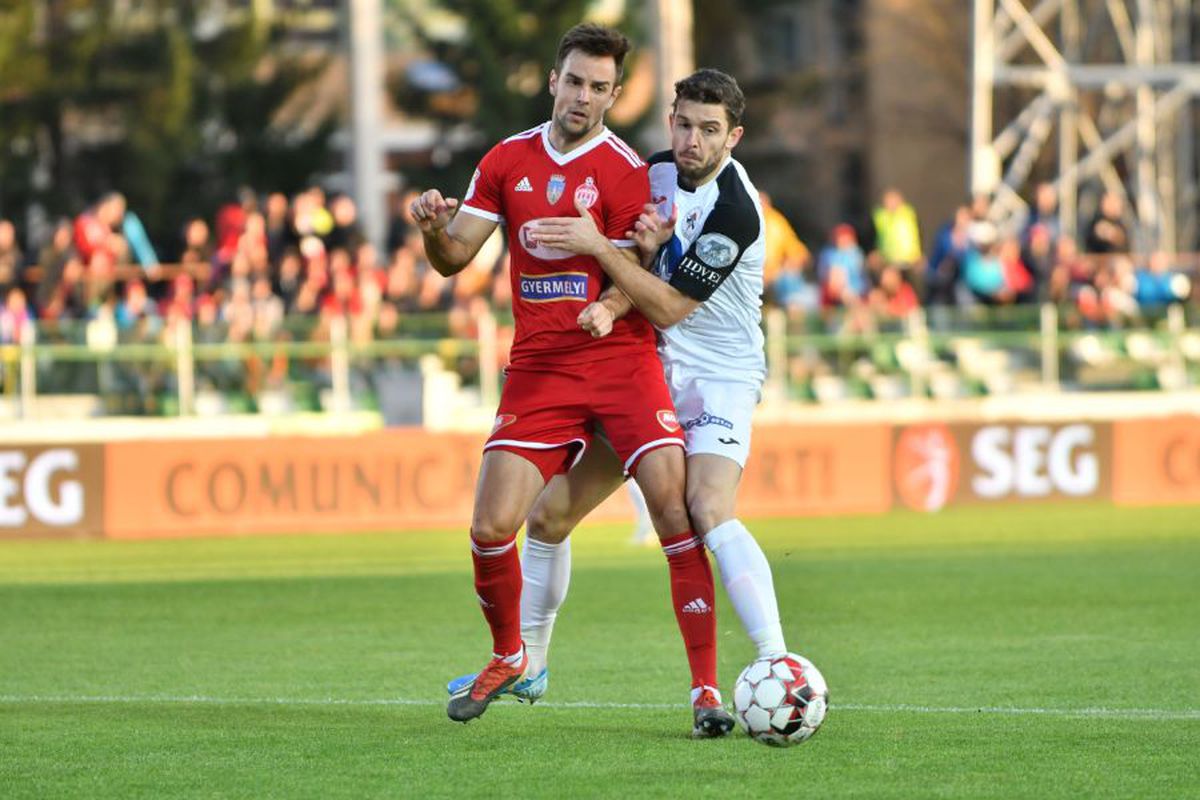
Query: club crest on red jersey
x,y
667,418
555,188
502,420
587,193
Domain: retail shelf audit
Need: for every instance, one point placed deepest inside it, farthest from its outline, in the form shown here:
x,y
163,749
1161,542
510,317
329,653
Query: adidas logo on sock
x,y
482,602
697,606
524,185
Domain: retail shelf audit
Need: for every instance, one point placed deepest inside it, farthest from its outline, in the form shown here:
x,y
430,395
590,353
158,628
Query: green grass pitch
x,y
1038,652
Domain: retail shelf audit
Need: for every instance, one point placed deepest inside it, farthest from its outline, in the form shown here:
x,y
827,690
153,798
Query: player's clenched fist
x,y
596,319
432,212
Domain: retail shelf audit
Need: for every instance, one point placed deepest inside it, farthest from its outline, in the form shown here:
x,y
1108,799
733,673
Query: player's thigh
x,y
570,497
716,415
507,487
712,484
633,403
660,476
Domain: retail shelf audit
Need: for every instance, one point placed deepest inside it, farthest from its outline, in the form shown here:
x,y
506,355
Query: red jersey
x,y
523,179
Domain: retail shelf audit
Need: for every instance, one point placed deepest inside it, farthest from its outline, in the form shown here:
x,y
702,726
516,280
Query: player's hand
x,y
596,319
433,212
578,235
651,231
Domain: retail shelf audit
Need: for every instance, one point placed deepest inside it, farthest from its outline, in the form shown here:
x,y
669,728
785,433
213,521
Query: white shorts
x,y
715,413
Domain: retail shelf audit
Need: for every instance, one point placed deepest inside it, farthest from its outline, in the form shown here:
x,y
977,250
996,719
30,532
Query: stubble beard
x,y
690,177
572,134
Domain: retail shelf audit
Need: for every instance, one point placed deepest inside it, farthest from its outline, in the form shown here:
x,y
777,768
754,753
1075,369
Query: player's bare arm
x,y
451,239
659,302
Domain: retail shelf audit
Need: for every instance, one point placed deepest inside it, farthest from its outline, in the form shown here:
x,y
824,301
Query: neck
x,y
564,145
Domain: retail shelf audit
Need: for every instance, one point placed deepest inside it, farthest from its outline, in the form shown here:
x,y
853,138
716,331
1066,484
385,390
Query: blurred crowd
x,y
263,261
876,273
259,262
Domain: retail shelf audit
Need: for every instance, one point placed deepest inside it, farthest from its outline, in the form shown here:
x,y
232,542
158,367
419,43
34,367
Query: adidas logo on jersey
x,y
524,185
697,606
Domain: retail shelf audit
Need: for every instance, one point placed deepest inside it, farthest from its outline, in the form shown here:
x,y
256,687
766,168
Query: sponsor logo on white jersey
x,y
716,250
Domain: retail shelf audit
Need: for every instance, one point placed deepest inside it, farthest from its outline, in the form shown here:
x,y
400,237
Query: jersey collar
x,y
566,158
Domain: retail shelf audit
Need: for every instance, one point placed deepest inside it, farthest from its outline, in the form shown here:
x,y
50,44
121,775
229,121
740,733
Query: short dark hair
x,y
594,40
713,86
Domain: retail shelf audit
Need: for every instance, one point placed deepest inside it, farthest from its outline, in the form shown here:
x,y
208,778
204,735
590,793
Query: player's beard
x,y
571,130
692,173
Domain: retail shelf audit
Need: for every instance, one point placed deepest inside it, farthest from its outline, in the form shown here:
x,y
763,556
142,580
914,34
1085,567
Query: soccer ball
x,y
781,701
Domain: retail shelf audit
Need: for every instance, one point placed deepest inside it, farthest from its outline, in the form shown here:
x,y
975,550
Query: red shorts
x,y
549,416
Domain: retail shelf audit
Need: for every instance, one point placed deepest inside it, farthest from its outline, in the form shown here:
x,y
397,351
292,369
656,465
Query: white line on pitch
x,y
1102,713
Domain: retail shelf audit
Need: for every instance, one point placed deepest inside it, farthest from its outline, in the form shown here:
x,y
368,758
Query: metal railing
x,y
985,351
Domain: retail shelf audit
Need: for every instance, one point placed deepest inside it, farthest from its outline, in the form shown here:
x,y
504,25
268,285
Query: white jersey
x,y
716,257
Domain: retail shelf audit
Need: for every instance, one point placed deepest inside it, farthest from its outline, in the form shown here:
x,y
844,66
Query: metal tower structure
x,y
1118,81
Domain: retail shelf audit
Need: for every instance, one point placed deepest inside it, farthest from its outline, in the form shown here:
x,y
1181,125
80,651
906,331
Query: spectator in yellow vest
x,y
897,236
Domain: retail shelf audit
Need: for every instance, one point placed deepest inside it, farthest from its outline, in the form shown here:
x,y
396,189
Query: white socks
x,y
747,579
546,569
643,529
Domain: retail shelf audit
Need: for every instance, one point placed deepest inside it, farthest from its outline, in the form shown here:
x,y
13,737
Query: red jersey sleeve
x,y
625,205
483,197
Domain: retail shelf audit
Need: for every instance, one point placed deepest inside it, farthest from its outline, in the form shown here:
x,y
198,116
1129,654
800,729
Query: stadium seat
x,y
1189,345
830,388
1144,348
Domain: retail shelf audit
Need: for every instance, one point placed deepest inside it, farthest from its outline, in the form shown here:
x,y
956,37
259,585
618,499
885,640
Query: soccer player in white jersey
x,y
703,292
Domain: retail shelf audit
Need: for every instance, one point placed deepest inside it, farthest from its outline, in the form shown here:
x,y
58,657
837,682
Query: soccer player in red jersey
x,y
561,381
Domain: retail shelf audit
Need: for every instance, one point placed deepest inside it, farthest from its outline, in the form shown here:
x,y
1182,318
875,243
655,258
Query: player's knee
x,y
670,517
544,525
492,528
707,510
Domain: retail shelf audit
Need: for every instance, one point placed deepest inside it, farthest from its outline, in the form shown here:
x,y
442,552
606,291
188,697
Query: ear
x,y
553,83
734,137
616,93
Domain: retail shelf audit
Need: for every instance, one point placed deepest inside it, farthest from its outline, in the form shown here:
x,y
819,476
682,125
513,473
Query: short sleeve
x,y
624,205
483,197
726,234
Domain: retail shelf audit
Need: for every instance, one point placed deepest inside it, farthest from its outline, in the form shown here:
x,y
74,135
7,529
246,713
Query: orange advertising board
x,y
817,469
413,479
938,464
378,481
1157,461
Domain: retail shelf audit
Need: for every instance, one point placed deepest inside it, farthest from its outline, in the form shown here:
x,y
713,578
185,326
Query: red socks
x,y
693,596
498,587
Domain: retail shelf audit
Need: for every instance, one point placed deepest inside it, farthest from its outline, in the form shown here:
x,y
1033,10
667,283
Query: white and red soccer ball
x,y
781,701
